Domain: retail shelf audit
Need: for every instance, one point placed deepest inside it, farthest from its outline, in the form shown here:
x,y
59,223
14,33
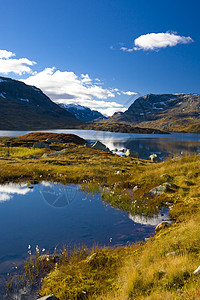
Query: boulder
x,y
131,153
50,297
100,146
45,155
53,141
158,190
162,225
154,158
166,176
40,145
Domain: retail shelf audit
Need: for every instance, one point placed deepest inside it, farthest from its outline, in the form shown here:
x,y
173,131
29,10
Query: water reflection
x,y
153,220
7,191
164,145
51,214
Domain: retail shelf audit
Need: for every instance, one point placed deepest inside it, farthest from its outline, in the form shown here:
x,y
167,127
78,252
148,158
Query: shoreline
x,y
166,261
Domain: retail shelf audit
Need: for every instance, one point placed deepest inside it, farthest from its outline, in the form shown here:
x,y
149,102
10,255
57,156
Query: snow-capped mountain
x,y
82,113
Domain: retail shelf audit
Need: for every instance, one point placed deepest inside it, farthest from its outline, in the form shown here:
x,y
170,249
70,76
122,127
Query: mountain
x,y
171,112
24,107
82,113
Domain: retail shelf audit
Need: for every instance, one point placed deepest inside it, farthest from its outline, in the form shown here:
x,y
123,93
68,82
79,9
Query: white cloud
x,y
155,41
6,54
66,87
127,49
152,41
7,191
17,66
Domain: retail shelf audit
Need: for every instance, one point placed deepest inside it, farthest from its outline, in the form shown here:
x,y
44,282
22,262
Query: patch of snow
x,y
35,89
76,106
2,95
157,107
141,114
22,99
162,103
2,80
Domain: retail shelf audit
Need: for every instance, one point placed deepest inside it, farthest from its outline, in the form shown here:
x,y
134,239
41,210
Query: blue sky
x,y
102,51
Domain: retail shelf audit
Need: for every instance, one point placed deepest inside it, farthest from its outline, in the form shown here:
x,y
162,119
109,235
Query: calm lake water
x,y
164,145
54,215
50,215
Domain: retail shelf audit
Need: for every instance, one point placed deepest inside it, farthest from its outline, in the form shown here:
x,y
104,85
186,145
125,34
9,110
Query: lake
x,y
51,215
165,145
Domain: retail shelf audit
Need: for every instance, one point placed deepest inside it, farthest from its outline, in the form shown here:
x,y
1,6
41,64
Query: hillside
x,y
24,107
170,112
82,113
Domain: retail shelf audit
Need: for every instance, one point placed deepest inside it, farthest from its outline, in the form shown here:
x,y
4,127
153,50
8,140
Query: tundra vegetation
x,y
161,268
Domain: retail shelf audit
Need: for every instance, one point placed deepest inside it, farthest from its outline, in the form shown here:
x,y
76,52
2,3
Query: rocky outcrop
x,y
158,190
40,145
100,146
50,297
45,155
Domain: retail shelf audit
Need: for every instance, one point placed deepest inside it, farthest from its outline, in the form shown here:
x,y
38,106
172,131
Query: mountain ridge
x,y
25,107
171,112
82,113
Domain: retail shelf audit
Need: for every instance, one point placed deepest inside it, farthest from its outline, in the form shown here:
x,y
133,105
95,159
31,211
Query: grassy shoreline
x,y
160,268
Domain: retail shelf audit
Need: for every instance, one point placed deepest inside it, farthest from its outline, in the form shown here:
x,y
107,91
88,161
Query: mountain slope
x,y
82,113
174,112
24,107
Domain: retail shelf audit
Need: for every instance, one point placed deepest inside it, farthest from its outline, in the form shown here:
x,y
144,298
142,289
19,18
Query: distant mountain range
x,y
83,113
24,107
169,112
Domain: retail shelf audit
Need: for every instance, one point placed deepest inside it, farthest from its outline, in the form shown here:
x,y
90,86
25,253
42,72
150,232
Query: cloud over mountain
x,y
17,66
65,86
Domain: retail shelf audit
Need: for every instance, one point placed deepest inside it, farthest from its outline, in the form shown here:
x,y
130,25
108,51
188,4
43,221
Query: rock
x,y
162,225
100,146
154,158
131,153
50,297
51,141
45,155
136,188
40,145
197,271
33,157
172,253
158,190
165,176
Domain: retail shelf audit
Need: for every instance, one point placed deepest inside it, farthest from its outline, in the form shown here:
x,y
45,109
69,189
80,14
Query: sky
x,y
101,53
